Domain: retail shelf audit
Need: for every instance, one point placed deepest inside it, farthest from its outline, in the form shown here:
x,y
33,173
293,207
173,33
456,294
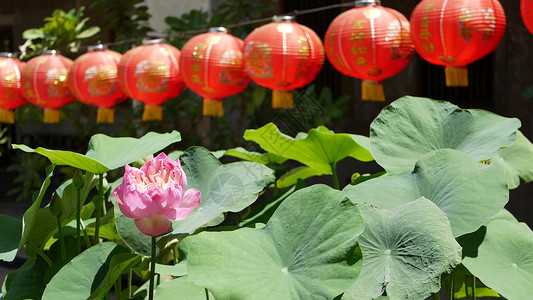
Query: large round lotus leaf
x,y
516,161
306,251
180,289
469,192
411,127
504,260
405,251
229,187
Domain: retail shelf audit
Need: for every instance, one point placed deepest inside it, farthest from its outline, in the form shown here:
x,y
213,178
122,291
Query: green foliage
x,y
304,252
394,235
411,127
61,30
123,20
107,153
405,251
440,176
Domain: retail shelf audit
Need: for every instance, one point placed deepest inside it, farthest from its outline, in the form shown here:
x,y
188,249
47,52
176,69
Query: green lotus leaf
x,y
107,153
504,260
405,250
516,161
308,250
469,192
319,149
411,127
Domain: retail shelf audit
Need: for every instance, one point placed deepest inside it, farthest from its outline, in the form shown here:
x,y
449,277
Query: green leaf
x,y
262,158
299,173
319,149
405,251
306,251
505,260
180,289
229,187
108,153
10,235
32,34
30,216
469,192
27,282
177,270
87,33
411,127
516,161
90,274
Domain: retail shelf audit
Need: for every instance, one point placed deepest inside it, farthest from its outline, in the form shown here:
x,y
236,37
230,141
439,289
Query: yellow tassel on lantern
x,y
372,91
7,116
213,108
105,115
456,76
153,113
282,99
51,115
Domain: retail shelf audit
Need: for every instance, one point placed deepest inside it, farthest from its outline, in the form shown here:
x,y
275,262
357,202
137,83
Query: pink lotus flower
x,y
155,194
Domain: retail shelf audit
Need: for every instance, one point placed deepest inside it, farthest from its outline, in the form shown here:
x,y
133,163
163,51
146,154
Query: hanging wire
x,y
198,31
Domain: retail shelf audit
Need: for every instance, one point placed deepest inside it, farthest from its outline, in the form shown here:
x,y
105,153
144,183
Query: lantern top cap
x,y
51,52
151,41
218,29
283,18
359,3
6,54
98,47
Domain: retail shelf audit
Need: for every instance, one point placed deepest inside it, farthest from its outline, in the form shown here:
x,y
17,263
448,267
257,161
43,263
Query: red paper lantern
x,y
283,56
455,33
369,42
44,83
526,10
150,73
10,95
212,66
93,79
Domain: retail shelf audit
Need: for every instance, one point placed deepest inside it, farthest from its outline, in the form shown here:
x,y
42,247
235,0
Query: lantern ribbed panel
x,y
369,42
150,73
457,32
93,78
212,66
44,81
283,55
11,70
526,10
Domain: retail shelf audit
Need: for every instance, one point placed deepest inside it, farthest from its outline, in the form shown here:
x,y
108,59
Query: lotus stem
x,y
450,292
78,220
99,203
61,239
334,173
152,270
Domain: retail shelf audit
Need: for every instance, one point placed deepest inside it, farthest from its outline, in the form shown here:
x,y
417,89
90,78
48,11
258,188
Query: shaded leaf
x,y
516,161
10,235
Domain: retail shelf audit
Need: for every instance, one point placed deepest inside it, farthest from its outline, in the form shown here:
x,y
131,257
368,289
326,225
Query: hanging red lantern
x,y
93,79
369,42
283,56
44,83
150,73
455,33
10,95
211,65
526,10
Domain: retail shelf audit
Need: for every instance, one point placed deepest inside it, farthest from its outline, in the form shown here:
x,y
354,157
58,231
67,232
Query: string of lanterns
x,y
369,42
